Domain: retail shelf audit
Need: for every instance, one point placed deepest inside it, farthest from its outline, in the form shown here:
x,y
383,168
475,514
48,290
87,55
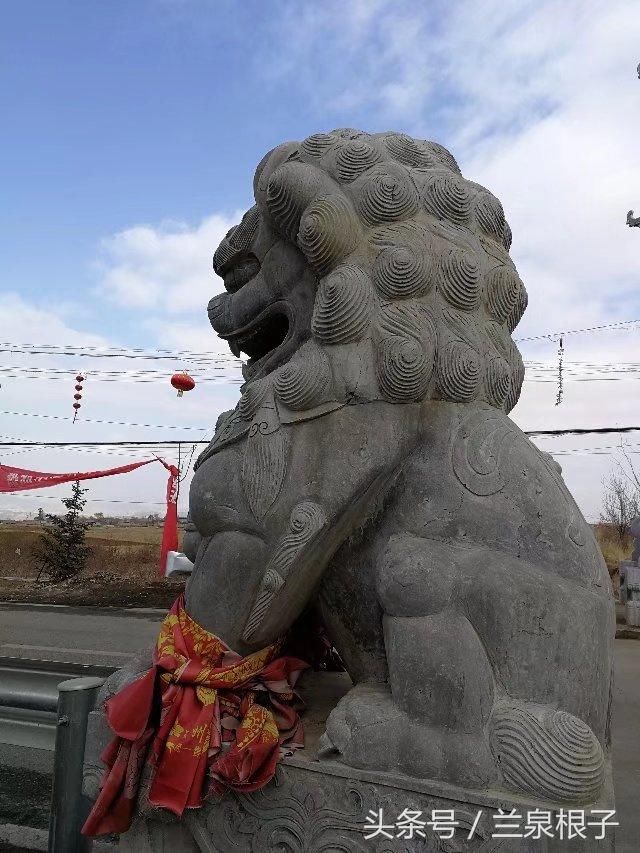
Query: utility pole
x,y
634,221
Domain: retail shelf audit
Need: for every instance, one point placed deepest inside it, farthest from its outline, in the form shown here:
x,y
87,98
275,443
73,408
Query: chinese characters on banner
x,y
19,479
563,824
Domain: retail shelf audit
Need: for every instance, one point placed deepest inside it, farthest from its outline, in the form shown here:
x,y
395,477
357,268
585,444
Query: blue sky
x,y
127,112
132,129
119,113
152,110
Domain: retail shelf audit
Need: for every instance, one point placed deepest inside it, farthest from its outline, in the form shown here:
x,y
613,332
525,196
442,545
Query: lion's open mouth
x,y
262,337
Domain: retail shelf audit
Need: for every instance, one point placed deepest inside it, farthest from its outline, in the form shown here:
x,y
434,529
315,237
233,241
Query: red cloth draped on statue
x,y
202,720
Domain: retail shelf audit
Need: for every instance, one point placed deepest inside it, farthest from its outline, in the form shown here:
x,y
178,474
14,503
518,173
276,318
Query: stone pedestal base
x,y
325,807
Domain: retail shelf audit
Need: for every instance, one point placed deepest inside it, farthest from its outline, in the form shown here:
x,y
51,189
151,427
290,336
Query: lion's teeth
x,y
235,349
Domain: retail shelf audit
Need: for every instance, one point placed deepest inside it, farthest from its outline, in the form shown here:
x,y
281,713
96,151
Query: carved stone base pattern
x,y
322,807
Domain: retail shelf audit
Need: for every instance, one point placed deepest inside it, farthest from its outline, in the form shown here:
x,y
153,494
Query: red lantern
x,y
182,382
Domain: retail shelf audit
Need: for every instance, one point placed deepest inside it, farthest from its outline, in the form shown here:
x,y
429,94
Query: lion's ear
x,y
267,166
291,188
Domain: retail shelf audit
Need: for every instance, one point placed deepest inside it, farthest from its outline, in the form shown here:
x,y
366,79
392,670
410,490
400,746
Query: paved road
x,y
76,634
626,744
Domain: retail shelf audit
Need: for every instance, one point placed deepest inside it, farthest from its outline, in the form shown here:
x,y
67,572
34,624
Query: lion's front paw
x,y
368,730
365,729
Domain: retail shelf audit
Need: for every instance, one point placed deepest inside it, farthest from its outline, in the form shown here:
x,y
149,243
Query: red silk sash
x,y
202,720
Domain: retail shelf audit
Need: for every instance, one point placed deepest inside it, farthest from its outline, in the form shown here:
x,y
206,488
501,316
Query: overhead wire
x,y
553,335
161,353
99,447
175,442
536,372
218,364
102,421
89,500
113,352
27,372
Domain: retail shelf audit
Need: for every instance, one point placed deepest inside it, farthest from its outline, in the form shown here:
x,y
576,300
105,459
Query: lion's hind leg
x,y
430,719
458,710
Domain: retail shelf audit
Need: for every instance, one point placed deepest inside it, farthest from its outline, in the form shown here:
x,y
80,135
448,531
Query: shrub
x,y
63,549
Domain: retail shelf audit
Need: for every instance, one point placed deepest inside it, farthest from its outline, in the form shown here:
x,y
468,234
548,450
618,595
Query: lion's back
x,y
477,480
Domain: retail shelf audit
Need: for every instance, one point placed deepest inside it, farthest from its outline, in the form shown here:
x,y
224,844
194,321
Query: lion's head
x,y
370,269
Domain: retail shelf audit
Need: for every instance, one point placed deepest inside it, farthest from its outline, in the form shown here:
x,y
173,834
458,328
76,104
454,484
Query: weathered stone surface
x,y
318,807
370,468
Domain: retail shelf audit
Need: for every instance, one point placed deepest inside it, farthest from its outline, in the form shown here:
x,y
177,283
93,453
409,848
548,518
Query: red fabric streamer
x,y
201,721
170,529
20,479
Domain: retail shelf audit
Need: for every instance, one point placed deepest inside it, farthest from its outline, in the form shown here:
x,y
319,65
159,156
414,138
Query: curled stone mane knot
x,y
385,220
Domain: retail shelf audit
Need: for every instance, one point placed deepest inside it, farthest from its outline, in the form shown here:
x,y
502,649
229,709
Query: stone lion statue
x,y
370,468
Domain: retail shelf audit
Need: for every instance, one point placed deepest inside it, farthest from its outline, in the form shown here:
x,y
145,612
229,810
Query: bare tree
x,y
621,499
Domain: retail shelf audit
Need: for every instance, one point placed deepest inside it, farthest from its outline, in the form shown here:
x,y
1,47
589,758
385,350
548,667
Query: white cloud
x,y
167,268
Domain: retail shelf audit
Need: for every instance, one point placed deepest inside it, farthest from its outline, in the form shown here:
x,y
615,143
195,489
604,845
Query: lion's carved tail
x,y
546,752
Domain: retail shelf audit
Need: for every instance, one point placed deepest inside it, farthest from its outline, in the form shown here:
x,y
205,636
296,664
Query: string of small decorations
x,y
560,378
78,395
181,382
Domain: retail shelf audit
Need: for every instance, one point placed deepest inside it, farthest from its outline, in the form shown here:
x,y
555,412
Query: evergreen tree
x,y
63,549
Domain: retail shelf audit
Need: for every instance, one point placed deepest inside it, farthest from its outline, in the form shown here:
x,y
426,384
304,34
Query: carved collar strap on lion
x,y
202,720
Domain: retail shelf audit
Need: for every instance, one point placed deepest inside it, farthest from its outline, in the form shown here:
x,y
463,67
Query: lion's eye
x,y
242,271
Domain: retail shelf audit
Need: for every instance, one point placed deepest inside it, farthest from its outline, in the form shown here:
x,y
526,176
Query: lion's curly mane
x,y
415,284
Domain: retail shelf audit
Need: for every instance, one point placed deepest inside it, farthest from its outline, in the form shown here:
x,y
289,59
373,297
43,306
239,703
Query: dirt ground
x,y
122,570
123,567
94,591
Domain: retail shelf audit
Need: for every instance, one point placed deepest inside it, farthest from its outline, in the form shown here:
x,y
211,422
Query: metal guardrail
x,y
69,807
29,698
45,705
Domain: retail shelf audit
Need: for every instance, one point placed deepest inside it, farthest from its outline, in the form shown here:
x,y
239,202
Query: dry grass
x,y
144,535
95,591
122,570
123,565
613,550
128,552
